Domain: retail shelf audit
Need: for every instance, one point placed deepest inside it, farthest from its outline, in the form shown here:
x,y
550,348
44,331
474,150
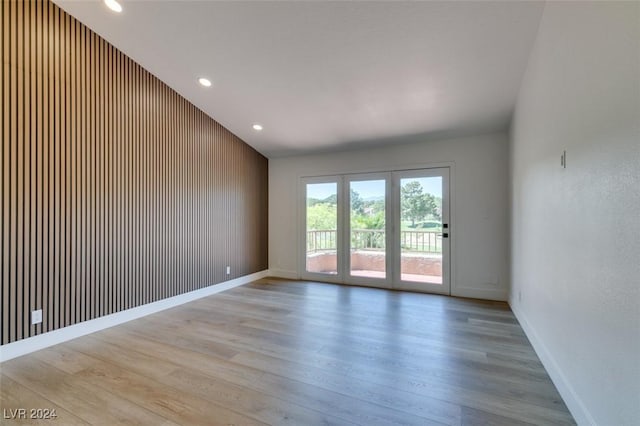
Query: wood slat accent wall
x,y
116,191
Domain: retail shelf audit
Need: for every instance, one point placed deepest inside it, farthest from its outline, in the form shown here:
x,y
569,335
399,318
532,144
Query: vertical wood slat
x,y
18,284
4,172
116,191
33,163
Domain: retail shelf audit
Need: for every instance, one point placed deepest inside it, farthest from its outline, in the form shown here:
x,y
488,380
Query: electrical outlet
x,y
36,317
228,270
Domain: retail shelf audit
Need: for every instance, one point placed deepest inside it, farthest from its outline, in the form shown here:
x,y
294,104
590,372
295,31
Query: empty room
x,y
320,212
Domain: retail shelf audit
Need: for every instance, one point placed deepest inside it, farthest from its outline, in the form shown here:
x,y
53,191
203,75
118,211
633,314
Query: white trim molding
x,y
283,273
41,341
481,293
575,405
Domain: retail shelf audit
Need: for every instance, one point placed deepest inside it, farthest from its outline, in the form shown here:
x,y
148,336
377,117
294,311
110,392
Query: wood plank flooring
x,y
300,353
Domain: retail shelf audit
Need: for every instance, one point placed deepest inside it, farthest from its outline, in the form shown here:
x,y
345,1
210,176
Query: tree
x,y
431,207
415,204
368,221
322,216
437,213
377,206
357,205
411,202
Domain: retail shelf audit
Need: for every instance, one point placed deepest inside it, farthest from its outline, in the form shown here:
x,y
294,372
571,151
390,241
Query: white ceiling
x,y
329,75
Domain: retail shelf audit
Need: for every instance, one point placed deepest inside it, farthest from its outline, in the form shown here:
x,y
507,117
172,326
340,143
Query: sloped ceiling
x,y
329,75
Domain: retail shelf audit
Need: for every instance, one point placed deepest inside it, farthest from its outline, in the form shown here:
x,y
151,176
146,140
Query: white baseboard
x,y
41,341
480,293
283,273
575,405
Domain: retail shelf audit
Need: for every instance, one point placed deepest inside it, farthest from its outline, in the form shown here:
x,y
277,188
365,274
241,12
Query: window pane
x,y
322,228
421,229
367,221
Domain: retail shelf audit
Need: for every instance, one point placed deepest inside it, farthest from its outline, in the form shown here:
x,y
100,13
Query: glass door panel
x,y
422,230
387,229
321,225
367,228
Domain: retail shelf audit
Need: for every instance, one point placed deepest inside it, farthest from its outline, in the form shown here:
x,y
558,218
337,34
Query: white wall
x,y
479,204
576,231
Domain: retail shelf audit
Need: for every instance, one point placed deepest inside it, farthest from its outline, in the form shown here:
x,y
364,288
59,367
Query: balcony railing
x,y
374,239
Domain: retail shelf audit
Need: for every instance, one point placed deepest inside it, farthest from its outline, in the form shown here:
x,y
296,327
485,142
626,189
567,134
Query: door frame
x,y
338,176
398,283
349,279
302,226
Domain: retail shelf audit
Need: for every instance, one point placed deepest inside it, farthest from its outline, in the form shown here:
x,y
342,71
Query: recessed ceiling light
x,y
257,127
113,5
205,82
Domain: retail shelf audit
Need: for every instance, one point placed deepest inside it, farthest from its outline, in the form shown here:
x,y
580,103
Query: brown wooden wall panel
x,y
116,191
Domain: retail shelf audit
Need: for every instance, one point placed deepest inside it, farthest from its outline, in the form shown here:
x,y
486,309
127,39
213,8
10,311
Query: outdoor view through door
x,y
322,228
367,228
385,229
421,229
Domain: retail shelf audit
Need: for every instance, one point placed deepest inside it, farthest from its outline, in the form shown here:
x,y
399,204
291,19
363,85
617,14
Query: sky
x,y
373,188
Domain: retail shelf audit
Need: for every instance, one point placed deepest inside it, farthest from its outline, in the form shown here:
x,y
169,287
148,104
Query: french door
x,y
422,240
368,239
387,230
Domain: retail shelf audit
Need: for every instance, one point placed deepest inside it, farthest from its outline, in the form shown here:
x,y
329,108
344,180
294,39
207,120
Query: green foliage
x,y
331,199
368,221
322,216
366,218
419,211
365,226
376,206
416,205
357,205
366,214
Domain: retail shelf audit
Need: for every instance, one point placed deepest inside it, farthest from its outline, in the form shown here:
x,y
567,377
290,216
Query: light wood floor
x,y
280,352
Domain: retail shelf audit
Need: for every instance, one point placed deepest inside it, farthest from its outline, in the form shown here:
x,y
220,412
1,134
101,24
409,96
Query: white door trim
x,y
445,287
302,230
365,281
341,176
